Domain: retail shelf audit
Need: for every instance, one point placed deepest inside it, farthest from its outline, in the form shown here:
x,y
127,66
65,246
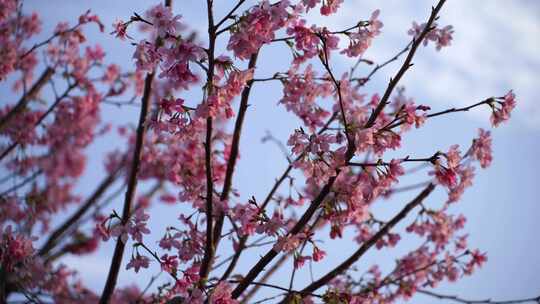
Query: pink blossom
x,y
441,36
222,294
120,30
481,148
169,263
120,231
318,254
453,157
444,37
288,243
330,6
299,261
446,176
96,53
137,262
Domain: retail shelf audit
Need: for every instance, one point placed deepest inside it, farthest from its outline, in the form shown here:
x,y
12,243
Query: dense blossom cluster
x,y
186,151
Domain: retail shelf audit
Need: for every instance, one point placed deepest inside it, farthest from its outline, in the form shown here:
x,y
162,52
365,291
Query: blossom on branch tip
x,y
137,262
441,36
503,111
258,27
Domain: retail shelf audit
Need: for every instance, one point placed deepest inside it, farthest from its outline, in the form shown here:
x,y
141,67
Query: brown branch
x,y
369,243
486,301
232,162
26,98
96,195
405,66
209,251
271,254
451,110
131,189
432,159
262,284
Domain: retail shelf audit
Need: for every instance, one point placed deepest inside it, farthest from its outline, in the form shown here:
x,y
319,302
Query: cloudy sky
x,y
495,48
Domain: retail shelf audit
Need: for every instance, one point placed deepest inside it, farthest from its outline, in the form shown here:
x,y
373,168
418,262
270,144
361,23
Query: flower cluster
x,y
361,40
442,37
258,27
135,227
186,149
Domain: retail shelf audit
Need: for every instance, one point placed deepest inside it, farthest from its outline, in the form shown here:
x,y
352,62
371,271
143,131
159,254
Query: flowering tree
x,y
188,150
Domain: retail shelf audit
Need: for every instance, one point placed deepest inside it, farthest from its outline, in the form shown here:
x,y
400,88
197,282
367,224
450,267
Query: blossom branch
x,y
405,66
369,243
233,155
325,190
432,159
96,195
131,189
485,301
362,81
337,85
272,253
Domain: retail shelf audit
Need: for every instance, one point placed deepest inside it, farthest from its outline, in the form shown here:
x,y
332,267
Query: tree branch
x,y
369,243
41,118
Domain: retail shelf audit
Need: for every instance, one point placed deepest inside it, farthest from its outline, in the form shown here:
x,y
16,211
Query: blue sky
x,y
495,48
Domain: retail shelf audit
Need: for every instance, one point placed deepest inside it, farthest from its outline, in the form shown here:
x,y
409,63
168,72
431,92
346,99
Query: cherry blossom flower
x,y
222,294
481,148
169,263
137,262
258,27
361,40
